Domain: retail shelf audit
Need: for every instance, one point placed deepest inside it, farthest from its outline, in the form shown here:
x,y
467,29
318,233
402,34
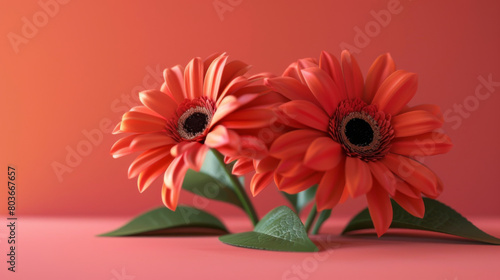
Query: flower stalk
x,y
310,218
238,189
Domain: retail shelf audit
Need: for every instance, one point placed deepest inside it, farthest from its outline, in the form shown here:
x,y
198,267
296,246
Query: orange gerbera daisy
x,y
355,137
207,105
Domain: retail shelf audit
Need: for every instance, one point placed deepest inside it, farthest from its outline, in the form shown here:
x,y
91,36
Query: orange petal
x,y
122,146
431,108
413,172
260,181
354,82
261,76
323,88
357,176
232,70
195,156
331,65
304,63
225,141
379,205
406,189
150,141
290,166
182,147
116,130
193,78
253,147
229,159
384,176
291,89
137,122
213,77
295,71
414,123
277,178
291,71
265,98
439,188
218,136
242,167
323,154
427,144
294,143
330,188
159,102
174,84
381,68
266,164
172,182
301,181
306,113
208,61
152,172
396,91
286,121
345,195
233,88
145,110
144,160
248,118
252,89
414,206
229,104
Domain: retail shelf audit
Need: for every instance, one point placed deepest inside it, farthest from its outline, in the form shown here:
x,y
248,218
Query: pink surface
x,y
61,248
76,66
69,69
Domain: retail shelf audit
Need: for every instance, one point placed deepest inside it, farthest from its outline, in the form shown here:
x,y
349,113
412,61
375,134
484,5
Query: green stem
x,y
323,216
238,189
310,218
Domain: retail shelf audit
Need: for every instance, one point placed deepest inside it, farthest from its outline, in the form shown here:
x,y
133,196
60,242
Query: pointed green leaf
x,y
438,218
163,221
212,167
301,199
207,186
215,166
280,230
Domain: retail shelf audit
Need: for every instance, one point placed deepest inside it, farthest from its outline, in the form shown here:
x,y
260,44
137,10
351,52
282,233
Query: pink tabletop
x,y
63,248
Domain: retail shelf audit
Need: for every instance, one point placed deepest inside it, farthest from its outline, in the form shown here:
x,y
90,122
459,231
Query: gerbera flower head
x,y
209,104
357,137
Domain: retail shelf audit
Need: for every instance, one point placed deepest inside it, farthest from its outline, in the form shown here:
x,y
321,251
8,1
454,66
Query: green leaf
x,y
280,230
163,221
438,218
212,181
207,186
213,168
301,199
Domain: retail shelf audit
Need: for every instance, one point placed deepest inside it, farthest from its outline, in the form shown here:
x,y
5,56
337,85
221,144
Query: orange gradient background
x,y
85,61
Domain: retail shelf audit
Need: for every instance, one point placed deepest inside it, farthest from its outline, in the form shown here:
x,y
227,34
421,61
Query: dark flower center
x,y
191,120
359,132
195,123
362,130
